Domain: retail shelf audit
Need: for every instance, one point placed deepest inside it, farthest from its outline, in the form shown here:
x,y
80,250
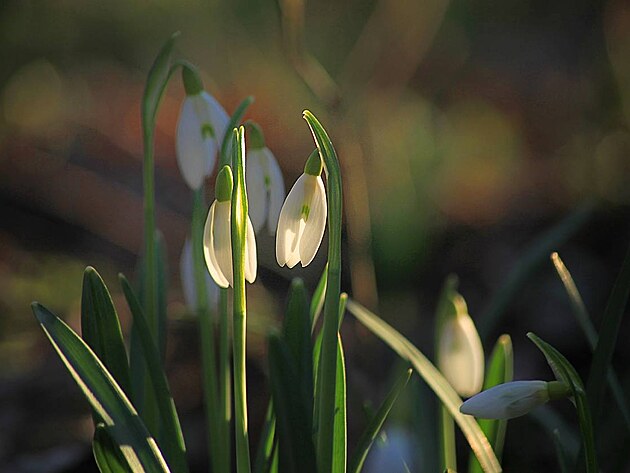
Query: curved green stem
x,y
218,457
328,361
239,229
225,377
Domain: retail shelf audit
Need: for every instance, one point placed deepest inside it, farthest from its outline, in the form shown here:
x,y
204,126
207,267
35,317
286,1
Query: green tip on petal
x,y
256,137
224,184
192,82
314,165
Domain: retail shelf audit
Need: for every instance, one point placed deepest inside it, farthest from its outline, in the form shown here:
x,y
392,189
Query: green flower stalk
x,y
328,359
240,226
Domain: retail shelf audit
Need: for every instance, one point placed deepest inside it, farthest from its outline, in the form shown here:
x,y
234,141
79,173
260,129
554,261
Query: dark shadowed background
x,y
466,130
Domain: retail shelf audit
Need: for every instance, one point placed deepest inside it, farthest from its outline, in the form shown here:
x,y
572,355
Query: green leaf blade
x,y
602,356
500,370
103,393
100,328
295,444
447,395
171,438
108,456
376,423
566,373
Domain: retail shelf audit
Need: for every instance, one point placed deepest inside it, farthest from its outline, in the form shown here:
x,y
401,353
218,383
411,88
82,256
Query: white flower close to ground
x,y
187,278
460,354
303,217
509,400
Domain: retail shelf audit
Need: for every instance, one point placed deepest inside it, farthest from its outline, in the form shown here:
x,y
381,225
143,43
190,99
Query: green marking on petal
x,y
207,131
305,211
267,182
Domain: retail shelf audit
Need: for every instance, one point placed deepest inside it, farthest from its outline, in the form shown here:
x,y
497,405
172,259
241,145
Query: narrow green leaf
x,y
297,334
108,456
377,422
100,327
565,372
162,287
316,359
340,437
602,356
103,393
500,370
171,438
156,82
584,321
447,395
296,449
144,397
533,259
329,353
317,302
267,442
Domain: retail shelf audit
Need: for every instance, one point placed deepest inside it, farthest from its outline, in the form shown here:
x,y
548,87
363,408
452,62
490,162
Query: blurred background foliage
x,y
465,129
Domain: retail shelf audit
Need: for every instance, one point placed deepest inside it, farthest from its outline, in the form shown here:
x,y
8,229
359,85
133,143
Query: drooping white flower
x,y
265,185
200,130
217,238
187,276
303,217
460,352
513,399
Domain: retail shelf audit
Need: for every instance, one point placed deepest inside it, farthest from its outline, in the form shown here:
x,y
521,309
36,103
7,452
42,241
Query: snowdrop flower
x,y
187,276
217,235
513,399
265,186
460,353
303,217
200,130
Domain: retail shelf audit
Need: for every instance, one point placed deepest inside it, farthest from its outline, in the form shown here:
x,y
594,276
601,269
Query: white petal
x,y
507,401
208,249
191,150
287,236
251,260
316,222
217,116
276,191
223,239
187,276
460,355
256,189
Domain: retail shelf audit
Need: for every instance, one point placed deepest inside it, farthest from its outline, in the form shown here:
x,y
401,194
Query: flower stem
x,y
447,441
239,222
210,388
225,377
328,360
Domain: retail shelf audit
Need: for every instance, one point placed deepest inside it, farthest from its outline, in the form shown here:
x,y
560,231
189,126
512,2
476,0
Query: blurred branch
x,y
323,86
391,46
